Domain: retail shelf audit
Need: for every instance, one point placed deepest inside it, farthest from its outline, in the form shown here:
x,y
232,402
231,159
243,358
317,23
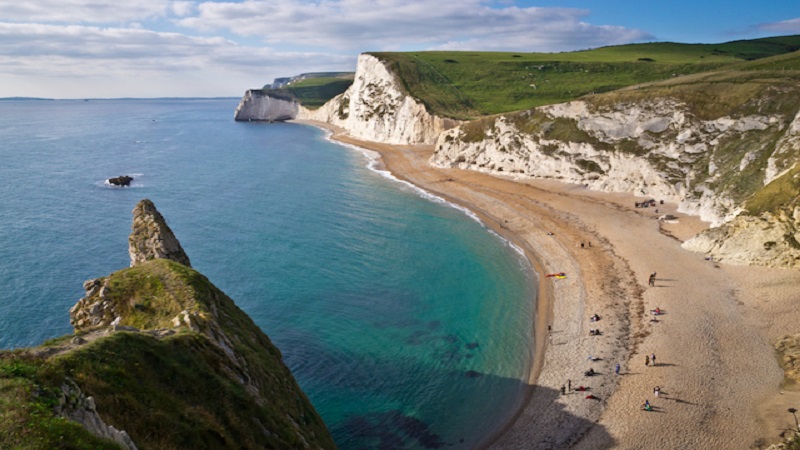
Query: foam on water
x,y
374,164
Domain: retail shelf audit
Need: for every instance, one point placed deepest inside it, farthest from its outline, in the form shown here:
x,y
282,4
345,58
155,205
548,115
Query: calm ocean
x,y
406,322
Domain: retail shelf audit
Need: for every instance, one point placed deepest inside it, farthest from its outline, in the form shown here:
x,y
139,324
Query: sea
x,y
404,319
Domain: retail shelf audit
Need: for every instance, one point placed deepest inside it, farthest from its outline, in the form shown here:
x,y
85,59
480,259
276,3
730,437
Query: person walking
x,y
569,385
653,358
616,369
647,360
657,391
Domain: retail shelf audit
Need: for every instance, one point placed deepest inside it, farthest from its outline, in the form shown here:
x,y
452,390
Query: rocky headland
x,y
160,358
259,106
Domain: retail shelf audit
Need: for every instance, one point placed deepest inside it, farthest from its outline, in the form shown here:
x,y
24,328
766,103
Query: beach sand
x,y
719,378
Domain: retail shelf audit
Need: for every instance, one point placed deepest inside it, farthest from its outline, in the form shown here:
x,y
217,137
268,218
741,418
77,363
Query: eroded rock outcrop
x,y
376,108
257,105
656,148
74,405
152,238
163,354
765,240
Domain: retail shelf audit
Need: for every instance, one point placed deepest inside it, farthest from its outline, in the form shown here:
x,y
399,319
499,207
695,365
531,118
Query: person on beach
x,y
653,358
657,391
563,390
652,280
616,369
647,360
646,406
569,385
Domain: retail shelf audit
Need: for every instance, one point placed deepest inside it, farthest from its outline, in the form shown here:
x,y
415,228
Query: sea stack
x,y
122,180
152,238
163,354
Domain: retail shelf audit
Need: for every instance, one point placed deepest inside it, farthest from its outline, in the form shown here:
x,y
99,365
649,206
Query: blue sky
x,y
182,48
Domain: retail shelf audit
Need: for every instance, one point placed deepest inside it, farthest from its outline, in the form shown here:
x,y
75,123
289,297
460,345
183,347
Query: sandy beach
x,y
720,384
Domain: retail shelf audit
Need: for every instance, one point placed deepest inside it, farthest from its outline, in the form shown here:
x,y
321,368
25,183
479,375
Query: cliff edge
x,y
161,353
377,108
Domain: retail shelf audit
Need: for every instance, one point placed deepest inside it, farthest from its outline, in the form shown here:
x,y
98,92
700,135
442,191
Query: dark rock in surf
x,y
122,180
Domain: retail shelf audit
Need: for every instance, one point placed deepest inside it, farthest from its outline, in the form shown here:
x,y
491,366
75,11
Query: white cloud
x,y
790,26
59,45
181,8
142,60
81,11
364,25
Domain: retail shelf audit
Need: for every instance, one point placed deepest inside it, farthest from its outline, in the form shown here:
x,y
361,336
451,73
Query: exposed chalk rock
x,y
152,238
256,105
375,108
76,406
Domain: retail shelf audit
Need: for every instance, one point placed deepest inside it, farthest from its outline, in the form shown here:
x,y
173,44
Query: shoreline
x,y
544,294
721,385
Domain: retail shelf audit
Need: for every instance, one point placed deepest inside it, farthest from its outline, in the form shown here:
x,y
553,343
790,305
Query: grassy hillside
x,y
182,390
467,85
314,92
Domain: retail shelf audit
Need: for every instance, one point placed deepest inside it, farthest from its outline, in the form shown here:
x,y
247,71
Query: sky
x,y
184,48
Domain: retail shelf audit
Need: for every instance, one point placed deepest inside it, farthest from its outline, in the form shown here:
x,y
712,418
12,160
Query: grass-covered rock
x,y
170,363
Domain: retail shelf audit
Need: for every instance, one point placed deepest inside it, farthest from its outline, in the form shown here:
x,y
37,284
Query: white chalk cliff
x,y
255,105
376,108
656,148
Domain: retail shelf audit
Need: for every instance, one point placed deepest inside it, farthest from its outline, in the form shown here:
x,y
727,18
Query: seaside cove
x,y
405,320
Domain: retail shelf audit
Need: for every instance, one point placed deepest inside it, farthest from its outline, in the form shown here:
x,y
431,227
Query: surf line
x,y
374,163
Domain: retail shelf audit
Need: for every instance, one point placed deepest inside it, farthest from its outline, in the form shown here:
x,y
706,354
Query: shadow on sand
x,y
553,427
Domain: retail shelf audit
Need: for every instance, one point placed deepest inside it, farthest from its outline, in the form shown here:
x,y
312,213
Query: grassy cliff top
x,y
219,385
466,85
313,92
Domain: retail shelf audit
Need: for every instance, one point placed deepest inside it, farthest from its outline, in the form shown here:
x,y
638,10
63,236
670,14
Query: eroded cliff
x,y
376,108
257,105
710,152
162,354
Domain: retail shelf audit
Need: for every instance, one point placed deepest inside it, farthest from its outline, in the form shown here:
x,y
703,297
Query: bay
x,y
405,321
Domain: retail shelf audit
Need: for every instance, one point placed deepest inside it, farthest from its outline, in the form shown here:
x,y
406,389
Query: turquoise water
x,y
406,322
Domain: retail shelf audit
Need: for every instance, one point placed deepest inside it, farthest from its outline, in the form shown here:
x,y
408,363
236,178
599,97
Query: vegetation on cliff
x,y
466,85
739,166
312,92
180,366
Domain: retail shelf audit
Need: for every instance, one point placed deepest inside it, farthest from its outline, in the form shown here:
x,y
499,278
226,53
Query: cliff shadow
x,y
479,410
547,422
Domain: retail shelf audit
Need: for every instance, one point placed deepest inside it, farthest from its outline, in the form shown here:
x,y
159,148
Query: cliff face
x,y
375,108
660,146
656,148
766,240
255,105
162,354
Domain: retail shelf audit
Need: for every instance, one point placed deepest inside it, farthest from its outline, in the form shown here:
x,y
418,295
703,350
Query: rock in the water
x,y
122,180
152,238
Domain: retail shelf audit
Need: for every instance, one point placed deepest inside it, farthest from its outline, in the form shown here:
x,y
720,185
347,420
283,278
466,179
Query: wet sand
x,y
719,379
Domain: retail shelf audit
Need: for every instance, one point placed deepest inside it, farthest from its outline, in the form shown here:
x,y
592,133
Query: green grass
x,y
467,85
26,411
313,92
780,193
